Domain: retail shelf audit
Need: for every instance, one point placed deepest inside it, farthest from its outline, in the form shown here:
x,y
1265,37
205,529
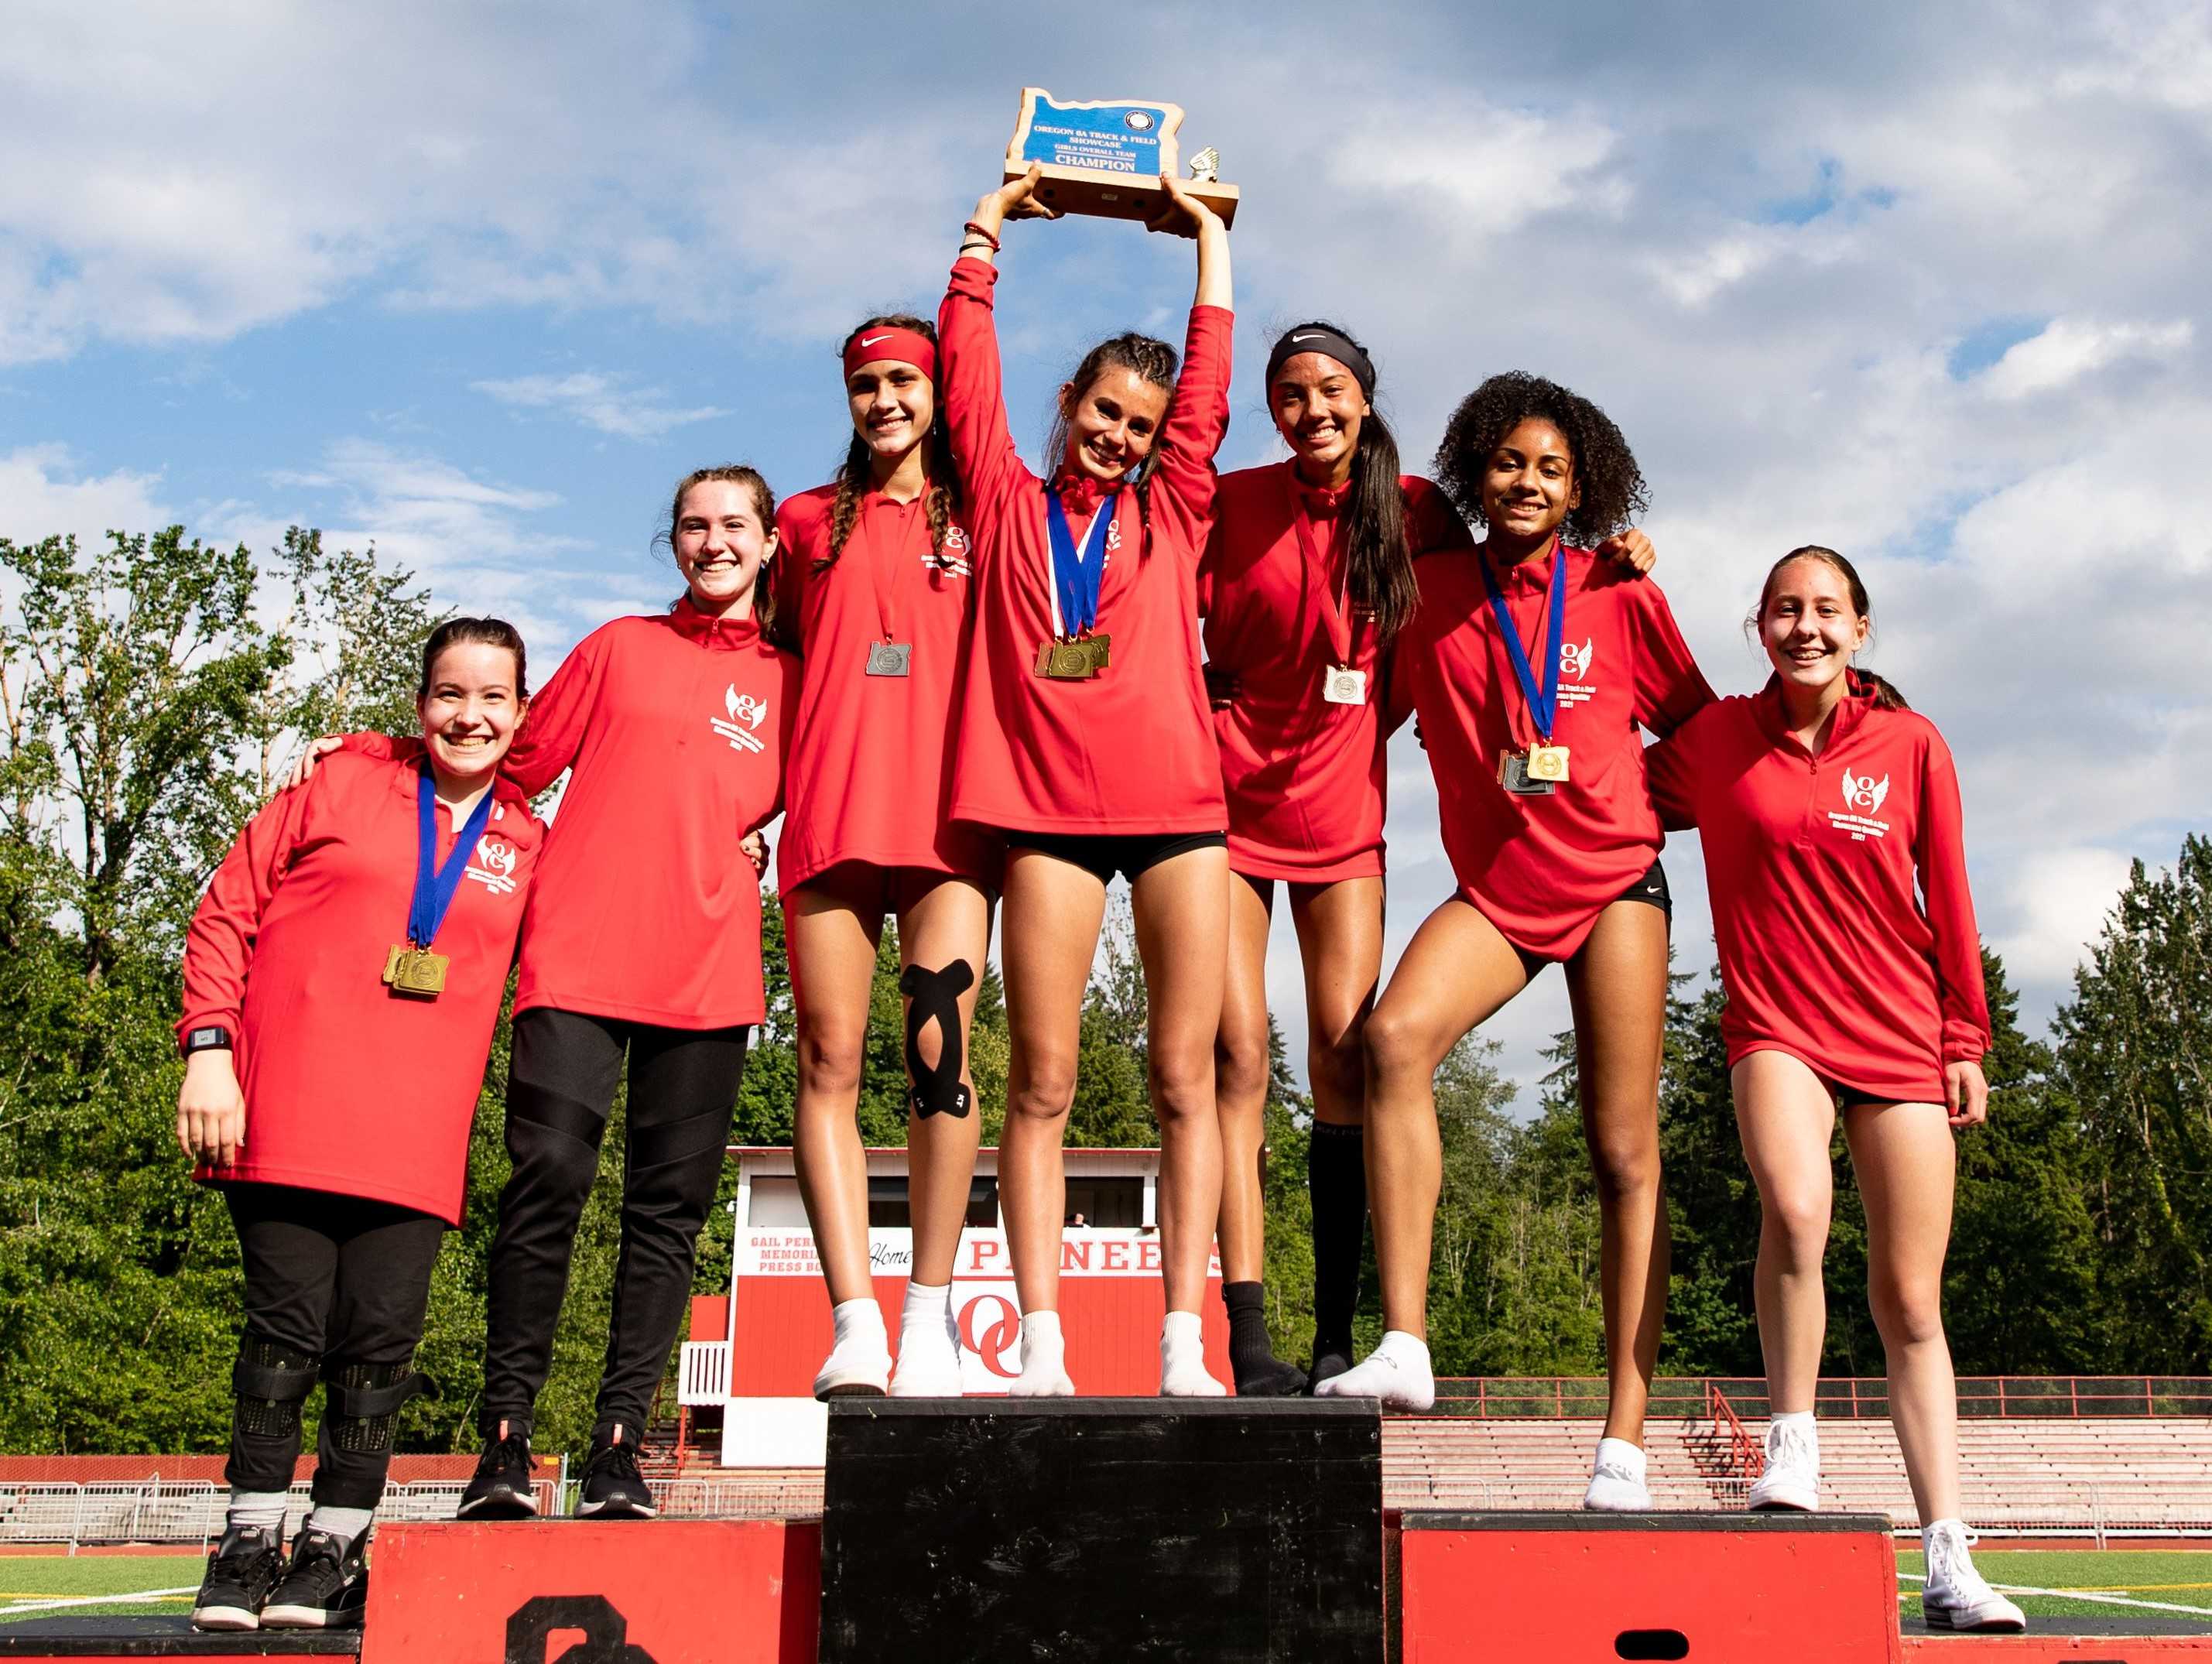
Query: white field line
x,y
93,1600
2080,1594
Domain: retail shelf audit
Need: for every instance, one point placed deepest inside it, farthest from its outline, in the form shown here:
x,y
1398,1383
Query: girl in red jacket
x,y
642,951
872,576
362,921
1308,578
1085,739
1533,665
1829,816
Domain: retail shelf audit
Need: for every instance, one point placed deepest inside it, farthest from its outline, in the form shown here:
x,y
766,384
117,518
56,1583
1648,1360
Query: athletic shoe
x,y
502,1489
1956,1596
1791,1477
613,1489
1617,1484
245,1566
325,1588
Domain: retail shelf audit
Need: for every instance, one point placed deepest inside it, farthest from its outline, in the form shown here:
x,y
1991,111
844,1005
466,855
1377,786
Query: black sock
x,y
1259,1372
1336,1179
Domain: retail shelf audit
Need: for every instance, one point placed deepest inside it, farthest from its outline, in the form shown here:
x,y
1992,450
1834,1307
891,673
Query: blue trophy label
x,y
1106,138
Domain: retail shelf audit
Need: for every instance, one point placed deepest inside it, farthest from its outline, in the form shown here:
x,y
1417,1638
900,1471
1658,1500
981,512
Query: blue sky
x,y
479,282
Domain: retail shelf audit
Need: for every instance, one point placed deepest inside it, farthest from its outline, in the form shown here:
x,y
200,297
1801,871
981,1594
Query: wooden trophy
x,y
1106,157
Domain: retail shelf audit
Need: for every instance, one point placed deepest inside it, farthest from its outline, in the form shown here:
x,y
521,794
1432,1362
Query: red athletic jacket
x,y
1824,949
675,726
870,774
1542,869
1132,749
349,1087
1305,778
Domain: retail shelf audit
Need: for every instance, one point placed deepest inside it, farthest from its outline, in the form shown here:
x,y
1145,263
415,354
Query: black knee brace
x,y
933,996
362,1403
268,1383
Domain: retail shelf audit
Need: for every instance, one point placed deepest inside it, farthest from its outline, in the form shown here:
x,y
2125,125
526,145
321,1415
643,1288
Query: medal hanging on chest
x,y
1539,768
885,656
1341,683
1074,654
409,967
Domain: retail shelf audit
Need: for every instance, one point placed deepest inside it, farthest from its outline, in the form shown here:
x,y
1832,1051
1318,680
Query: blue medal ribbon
x,y
1544,703
436,886
1075,579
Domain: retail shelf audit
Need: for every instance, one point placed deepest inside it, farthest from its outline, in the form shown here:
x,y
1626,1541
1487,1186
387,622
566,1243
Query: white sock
x,y
343,1523
1044,1359
1621,1456
1183,1373
264,1508
929,1344
1397,1372
857,1321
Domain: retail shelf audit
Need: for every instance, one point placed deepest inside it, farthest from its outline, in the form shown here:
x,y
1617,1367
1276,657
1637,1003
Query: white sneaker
x,y
1791,1477
1397,1372
1956,1596
1617,1484
859,1361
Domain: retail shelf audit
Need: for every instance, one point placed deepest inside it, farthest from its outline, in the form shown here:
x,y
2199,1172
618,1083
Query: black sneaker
x,y
243,1568
613,1489
500,1489
325,1588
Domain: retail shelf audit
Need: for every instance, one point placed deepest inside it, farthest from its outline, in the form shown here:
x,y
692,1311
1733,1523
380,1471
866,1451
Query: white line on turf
x,y
94,1601
2081,1594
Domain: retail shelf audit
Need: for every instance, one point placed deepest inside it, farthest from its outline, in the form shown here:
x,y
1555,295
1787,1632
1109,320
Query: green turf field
x,y
28,1582
2150,1582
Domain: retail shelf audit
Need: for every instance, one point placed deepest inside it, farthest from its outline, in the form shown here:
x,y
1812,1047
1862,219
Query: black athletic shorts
x,y
1128,854
1652,888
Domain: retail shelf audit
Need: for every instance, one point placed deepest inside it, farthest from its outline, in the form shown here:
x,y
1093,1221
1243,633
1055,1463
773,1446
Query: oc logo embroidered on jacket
x,y
746,713
1863,795
1574,670
492,866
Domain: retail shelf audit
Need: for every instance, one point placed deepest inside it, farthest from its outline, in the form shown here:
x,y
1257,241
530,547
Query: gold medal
x,y
1098,646
415,972
1068,661
1548,762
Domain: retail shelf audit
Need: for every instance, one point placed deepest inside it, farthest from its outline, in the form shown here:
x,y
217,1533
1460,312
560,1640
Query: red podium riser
x,y
659,1592
1715,1588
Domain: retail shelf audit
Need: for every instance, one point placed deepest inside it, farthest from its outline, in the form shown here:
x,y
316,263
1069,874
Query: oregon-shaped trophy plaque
x,y
1106,157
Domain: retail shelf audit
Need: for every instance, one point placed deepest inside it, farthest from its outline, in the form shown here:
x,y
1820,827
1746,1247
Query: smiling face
x,y
1529,485
1318,407
470,709
719,541
893,404
1113,423
1808,624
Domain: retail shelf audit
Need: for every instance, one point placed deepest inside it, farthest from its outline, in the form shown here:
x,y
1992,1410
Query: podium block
x,y
1717,1589
91,1638
1098,1529
626,1592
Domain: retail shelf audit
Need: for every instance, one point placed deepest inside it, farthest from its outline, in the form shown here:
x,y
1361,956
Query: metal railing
x,y
703,1373
179,1511
1844,1397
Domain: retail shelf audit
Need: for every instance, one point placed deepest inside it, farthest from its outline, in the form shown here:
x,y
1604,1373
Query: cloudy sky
x,y
478,282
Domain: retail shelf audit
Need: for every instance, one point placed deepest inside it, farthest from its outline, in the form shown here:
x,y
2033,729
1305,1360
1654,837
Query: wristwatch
x,y
207,1039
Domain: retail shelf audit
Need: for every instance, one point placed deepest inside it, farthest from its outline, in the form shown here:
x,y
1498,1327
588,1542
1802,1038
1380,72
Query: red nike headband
x,y
902,346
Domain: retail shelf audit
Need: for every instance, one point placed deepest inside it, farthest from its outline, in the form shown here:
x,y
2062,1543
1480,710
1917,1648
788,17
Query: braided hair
x,y
854,473
1148,360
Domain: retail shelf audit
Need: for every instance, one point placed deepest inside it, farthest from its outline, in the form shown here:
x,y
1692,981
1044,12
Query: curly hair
x,y
1611,485
853,473
1149,361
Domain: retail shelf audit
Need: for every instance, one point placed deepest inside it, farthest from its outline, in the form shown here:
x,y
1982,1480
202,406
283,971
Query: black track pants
x,y
333,1284
561,1088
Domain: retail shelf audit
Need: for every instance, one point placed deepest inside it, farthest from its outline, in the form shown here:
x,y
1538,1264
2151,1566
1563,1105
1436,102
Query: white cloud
x,y
2068,348
600,402
2057,901
42,495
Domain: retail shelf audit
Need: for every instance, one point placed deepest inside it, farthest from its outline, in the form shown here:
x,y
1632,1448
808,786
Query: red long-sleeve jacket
x,y
1826,951
673,729
1305,779
349,1087
1542,869
871,774
1132,749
